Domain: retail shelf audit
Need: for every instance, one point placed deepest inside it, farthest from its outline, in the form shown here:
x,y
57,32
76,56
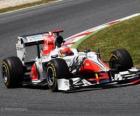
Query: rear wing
x,y
30,40
34,39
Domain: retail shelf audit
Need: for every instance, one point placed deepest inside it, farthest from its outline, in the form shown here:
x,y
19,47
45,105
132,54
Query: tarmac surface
x,y
73,16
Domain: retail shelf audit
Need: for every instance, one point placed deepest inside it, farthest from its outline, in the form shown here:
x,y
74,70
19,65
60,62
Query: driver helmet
x,y
66,51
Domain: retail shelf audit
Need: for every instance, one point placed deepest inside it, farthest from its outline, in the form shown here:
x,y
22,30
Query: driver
x,y
65,51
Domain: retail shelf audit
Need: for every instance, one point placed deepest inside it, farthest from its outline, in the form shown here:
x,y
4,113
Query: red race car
x,y
63,68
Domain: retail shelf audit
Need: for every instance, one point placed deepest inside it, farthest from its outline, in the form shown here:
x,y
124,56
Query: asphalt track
x,y
73,16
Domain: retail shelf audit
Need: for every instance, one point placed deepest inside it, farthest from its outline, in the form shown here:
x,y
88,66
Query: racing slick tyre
x,y
13,72
120,60
56,69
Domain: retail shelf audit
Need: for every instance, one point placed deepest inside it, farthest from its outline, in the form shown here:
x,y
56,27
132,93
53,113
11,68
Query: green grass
x,y
123,35
24,6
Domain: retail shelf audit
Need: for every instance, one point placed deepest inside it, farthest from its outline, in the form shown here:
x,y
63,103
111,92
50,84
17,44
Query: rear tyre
x,y
56,69
13,72
120,60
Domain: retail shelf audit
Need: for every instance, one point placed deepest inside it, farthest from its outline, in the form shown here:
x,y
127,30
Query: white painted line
x,y
129,17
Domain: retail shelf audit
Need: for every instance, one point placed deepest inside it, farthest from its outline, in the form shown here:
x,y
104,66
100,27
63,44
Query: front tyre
x,y
56,69
120,60
13,72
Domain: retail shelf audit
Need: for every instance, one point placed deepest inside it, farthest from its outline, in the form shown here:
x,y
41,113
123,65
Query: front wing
x,y
130,76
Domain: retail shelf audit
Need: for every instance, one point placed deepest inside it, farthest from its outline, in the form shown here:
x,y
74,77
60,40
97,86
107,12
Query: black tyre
x,y
56,69
13,72
120,60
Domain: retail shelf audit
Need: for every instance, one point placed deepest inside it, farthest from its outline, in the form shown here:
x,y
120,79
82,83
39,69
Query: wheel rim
x,y
50,76
113,62
5,74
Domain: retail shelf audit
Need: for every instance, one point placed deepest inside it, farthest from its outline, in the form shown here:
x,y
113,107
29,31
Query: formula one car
x,y
64,68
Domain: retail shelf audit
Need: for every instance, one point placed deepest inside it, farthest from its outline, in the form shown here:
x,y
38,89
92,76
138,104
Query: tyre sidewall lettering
x,y
52,67
112,55
6,67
